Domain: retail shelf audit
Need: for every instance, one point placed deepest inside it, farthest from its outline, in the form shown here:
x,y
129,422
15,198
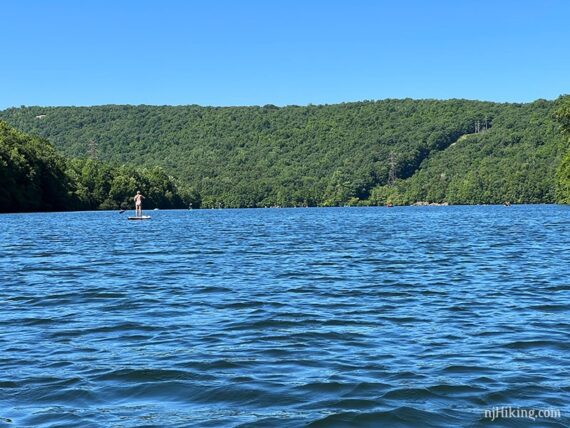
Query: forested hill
x,y
398,151
33,177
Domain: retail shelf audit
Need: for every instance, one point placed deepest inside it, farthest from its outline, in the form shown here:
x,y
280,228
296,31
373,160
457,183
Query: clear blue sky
x,y
249,52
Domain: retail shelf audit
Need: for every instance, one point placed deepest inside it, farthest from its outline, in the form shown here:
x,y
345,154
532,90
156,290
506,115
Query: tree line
x,y
34,177
363,153
563,171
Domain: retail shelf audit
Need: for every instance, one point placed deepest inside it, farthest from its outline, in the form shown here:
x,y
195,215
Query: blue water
x,y
412,316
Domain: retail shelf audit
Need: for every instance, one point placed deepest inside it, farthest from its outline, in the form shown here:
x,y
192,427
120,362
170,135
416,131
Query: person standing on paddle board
x,y
138,203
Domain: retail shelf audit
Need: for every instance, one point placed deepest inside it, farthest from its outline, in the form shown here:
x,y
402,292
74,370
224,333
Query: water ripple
x,y
320,317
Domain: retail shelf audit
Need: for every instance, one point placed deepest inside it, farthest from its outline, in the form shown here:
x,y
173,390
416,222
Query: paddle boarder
x,y
138,203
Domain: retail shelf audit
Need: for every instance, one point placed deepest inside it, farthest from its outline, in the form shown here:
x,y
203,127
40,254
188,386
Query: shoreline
x,y
414,205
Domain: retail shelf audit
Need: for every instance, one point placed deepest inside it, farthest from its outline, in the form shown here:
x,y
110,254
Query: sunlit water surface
x,y
284,317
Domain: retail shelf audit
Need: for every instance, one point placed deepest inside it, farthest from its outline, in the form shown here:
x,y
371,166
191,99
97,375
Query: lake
x,y
285,317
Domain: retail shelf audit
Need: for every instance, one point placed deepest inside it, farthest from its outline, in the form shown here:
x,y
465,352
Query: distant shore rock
x,y
430,204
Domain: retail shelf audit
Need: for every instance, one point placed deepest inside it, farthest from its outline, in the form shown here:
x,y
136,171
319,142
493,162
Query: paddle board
x,y
144,217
